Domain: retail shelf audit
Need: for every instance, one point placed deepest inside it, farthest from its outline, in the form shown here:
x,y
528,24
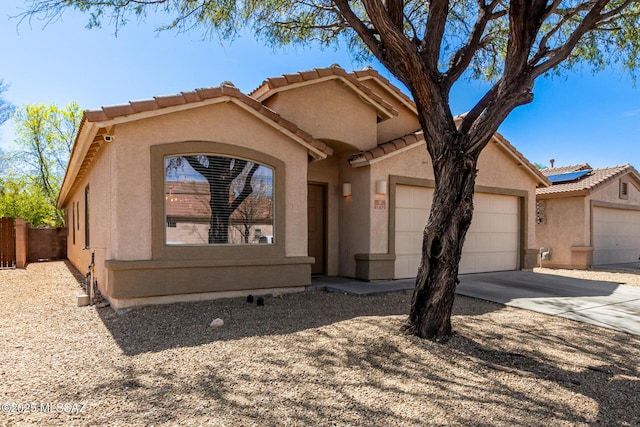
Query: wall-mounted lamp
x,y
346,189
381,187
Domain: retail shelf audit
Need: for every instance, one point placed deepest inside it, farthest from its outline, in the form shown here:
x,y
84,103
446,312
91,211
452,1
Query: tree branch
x,y
196,165
556,56
434,33
395,8
246,190
463,57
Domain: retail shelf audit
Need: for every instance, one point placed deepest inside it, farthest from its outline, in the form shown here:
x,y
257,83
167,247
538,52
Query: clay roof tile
x,y
144,105
587,182
169,100
118,110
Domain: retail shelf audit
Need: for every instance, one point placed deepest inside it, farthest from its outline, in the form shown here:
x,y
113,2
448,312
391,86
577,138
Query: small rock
x,y
217,323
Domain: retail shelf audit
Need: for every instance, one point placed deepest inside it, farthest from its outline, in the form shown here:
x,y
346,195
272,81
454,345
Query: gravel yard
x,y
303,359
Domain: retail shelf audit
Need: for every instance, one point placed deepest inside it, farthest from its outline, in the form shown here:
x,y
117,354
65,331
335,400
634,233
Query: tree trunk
x,y
220,215
449,220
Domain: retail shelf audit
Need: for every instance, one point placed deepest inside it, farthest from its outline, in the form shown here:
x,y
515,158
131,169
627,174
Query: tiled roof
x,y
370,73
187,199
199,95
387,148
276,84
384,149
565,169
589,182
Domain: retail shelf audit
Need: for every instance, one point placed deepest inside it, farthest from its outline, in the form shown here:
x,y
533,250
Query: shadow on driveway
x,y
606,304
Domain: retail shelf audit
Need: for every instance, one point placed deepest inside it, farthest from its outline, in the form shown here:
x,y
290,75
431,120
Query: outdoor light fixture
x,y
346,189
381,187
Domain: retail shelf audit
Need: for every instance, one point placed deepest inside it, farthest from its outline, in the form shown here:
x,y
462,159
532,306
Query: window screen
x,y
217,200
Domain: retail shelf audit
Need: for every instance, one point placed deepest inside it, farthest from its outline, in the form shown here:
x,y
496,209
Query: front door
x,y
316,225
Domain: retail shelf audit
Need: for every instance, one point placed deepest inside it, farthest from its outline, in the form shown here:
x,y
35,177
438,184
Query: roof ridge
x,y
199,95
276,83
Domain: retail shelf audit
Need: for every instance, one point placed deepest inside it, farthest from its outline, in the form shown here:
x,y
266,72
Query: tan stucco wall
x,y
123,211
355,221
328,111
610,192
566,225
100,218
223,123
495,170
405,123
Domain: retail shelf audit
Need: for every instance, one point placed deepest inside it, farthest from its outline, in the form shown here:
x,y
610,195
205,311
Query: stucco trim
x,y
577,193
611,205
140,279
161,251
374,266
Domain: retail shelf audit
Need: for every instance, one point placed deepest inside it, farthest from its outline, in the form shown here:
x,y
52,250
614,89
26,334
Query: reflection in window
x,y
213,199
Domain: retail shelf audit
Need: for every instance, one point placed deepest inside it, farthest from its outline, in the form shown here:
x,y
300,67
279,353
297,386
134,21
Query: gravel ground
x,y
303,359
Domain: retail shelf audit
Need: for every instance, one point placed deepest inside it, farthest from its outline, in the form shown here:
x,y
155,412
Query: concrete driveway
x,y
607,304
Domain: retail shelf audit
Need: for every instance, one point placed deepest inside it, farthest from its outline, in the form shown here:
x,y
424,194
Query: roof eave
x,y
385,84
86,134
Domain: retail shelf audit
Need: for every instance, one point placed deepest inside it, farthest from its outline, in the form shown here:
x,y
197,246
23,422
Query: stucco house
x,y
589,216
214,193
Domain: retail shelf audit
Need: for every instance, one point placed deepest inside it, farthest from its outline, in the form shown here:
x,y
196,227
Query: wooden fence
x,y
7,243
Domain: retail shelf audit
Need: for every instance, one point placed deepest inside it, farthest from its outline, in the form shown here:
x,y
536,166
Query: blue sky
x,y
573,119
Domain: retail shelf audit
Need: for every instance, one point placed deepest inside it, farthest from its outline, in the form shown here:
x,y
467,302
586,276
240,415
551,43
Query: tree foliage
x,y
45,135
5,106
429,46
21,197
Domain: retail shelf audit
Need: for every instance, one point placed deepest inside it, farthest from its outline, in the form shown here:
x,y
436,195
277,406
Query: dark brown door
x,y
316,225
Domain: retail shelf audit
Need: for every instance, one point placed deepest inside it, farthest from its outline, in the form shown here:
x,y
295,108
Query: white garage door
x,y
616,235
491,243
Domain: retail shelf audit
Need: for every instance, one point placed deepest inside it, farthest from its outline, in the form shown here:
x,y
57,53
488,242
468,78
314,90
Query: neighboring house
x,y
326,169
589,216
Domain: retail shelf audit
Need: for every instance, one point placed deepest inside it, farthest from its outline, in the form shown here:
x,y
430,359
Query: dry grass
x,y
303,359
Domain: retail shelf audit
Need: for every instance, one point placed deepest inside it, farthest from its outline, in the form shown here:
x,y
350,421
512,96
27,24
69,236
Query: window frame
x,y
161,250
171,223
87,235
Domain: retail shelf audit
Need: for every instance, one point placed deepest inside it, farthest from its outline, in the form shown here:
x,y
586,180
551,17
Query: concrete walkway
x,y
605,304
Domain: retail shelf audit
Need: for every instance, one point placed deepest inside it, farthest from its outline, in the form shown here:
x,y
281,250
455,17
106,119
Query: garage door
x,y
616,235
492,240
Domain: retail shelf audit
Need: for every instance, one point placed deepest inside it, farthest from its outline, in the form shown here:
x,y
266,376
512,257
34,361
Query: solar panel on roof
x,y
567,177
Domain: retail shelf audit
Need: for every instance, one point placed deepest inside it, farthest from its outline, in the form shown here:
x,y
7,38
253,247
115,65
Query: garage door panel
x,y
491,243
407,243
616,235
